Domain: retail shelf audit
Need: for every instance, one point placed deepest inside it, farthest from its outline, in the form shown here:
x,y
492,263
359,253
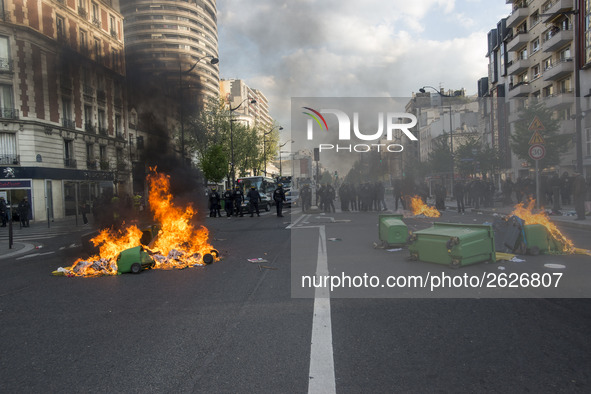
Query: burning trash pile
x,y
526,213
177,243
418,207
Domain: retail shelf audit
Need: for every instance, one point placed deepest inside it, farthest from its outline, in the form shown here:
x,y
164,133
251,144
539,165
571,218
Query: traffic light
x,y
316,154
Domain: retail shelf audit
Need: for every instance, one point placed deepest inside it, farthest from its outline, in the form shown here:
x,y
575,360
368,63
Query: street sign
x,y
536,125
537,152
536,139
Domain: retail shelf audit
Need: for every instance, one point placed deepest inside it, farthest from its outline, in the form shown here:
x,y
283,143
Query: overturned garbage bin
x,y
392,230
134,260
453,244
539,241
508,234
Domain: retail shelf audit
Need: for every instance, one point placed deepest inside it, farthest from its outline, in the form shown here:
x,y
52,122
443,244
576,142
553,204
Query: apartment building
x,y
174,41
539,52
63,118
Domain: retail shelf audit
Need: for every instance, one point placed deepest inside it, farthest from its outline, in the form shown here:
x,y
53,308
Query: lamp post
x,y
214,60
280,152
265,149
252,101
451,136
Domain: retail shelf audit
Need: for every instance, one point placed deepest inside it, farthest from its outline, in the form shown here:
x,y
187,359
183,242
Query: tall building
x,y
545,53
238,94
63,119
173,41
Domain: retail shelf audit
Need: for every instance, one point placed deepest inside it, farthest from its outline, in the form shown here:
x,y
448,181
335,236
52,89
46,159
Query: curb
x,y
27,248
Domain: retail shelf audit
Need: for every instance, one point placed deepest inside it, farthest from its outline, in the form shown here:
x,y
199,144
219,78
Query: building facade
x,y
63,118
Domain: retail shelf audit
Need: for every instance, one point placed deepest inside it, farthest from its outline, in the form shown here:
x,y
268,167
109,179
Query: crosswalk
x,y
42,232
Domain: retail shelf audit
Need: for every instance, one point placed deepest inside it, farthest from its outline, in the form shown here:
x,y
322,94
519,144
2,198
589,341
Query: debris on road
x,y
257,260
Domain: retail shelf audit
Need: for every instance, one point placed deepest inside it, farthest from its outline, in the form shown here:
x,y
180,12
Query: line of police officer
x,y
233,200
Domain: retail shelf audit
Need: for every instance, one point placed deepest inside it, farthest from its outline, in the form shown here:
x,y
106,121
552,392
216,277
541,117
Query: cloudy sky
x,y
352,48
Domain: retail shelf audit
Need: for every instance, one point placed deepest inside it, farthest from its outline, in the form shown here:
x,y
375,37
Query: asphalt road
x,y
235,327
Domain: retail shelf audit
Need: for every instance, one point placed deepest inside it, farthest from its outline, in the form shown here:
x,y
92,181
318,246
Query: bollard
x,y
10,243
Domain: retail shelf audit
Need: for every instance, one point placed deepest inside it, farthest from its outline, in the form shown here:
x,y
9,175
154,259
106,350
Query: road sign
x,y
537,152
536,125
536,139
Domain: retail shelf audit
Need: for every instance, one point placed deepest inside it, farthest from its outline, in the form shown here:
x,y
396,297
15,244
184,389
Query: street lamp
x,y
252,101
265,149
214,60
280,152
451,136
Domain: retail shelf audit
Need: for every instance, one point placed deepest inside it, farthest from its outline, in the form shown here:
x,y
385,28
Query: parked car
x,y
264,204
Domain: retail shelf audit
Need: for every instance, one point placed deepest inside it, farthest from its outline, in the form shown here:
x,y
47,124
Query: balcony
x,y
88,90
101,95
104,165
562,100
558,40
518,41
83,13
122,166
91,164
8,113
69,124
70,163
5,65
103,131
120,136
517,66
559,70
96,21
520,90
556,9
88,126
518,16
10,160
114,34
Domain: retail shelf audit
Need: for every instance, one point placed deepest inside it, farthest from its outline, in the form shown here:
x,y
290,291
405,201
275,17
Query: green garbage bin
x,y
392,230
453,244
134,260
538,240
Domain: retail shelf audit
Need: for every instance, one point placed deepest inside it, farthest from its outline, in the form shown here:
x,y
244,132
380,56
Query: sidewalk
x,y
20,246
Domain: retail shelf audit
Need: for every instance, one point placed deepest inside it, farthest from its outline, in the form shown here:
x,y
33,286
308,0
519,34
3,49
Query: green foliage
x,y
440,157
555,143
214,164
472,158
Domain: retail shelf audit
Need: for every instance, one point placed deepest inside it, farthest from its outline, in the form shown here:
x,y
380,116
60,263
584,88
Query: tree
x,y
214,164
555,143
440,157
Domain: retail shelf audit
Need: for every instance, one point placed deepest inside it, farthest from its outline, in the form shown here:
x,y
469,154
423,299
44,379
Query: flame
x,y
529,217
418,207
178,244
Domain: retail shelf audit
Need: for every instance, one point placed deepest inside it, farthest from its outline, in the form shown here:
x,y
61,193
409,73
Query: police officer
x,y
279,198
306,195
214,203
253,197
228,202
23,211
3,210
238,200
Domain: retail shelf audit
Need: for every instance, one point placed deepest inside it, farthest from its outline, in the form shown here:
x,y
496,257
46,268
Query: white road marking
x,y
296,222
322,375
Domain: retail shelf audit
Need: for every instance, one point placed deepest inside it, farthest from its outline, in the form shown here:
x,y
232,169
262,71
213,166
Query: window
x,y
4,54
60,26
535,45
88,118
102,122
6,102
535,19
8,154
103,153
95,13
90,151
535,71
522,55
118,130
564,86
565,54
547,63
97,48
112,26
83,40
549,91
69,154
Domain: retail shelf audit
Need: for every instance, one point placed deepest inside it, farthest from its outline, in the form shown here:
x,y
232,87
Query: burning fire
x,y
178,243
526,213
418,207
